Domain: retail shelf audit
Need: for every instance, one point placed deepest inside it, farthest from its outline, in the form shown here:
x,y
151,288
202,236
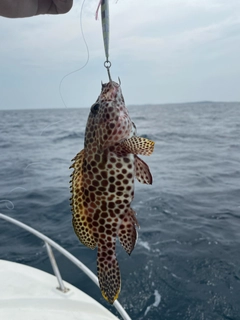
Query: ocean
x,y
186,264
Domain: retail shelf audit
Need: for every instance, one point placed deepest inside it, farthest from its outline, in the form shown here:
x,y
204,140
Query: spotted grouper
x,y
103,184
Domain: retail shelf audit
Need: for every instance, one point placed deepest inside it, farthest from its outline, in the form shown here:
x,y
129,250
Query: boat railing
x,y
49,243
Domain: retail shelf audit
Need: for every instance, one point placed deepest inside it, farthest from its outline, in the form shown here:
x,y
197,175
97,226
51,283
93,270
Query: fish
x,y
102,184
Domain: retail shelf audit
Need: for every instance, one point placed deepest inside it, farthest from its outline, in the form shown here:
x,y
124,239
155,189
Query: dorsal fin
x,y
80,213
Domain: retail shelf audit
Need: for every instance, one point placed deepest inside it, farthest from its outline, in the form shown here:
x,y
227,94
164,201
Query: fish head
x,y
108,122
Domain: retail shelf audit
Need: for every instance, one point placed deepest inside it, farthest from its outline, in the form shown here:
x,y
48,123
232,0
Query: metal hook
x,y
107,65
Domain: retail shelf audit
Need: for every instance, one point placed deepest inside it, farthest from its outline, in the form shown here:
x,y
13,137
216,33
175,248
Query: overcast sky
x,y
163,51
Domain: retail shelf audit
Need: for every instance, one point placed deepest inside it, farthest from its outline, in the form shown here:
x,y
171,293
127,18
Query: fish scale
x,y
103,184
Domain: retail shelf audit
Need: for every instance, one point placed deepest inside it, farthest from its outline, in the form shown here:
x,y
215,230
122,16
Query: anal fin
x,y
127,232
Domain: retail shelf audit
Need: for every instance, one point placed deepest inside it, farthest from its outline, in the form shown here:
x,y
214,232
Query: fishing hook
x,y
107,65
105,31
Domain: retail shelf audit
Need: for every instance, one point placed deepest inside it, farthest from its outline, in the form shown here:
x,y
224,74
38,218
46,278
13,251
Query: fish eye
x,y
94,108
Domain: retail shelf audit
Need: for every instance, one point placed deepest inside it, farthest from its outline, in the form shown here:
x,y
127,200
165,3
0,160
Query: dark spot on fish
x,y
93,163
111,205
111,179
97,157
95,170
104,183
111,188
118,165
92,197
96,216
101,221
104,175
101,240
109,244
101,229
104,206
111,125
104,254
95,183
104,214
120,176
91,188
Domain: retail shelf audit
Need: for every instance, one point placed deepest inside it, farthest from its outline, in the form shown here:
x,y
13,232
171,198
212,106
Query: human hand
x,y
29,8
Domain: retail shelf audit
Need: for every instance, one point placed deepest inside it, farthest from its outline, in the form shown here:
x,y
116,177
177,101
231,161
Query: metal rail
x,y
50,243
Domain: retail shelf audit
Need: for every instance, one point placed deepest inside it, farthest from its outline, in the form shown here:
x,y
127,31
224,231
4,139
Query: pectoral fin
x,y
138,145
142,171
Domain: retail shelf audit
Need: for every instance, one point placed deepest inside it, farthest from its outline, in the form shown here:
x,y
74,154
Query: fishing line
x,y
34,163
11,207
60,84
86,62
68,74
51,124
7,201
9,204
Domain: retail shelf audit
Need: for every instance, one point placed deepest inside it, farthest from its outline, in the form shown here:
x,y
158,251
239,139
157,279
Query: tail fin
x,y
108,273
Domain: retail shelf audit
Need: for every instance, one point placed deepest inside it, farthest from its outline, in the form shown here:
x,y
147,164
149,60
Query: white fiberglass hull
x,y
29,293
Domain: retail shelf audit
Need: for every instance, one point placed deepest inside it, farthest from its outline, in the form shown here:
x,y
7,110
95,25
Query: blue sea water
x,y
186,264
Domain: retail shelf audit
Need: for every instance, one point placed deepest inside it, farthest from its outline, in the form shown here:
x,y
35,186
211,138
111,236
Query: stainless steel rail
x,y
50,243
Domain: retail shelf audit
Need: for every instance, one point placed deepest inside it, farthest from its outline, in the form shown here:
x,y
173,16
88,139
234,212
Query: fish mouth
x,y
110,91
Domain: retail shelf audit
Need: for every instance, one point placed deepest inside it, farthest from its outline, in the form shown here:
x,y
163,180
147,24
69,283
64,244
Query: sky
x,y
164,51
